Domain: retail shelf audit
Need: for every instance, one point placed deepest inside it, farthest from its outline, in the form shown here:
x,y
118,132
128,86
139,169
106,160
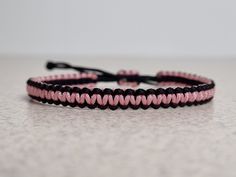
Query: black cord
x,y
104,76
52,65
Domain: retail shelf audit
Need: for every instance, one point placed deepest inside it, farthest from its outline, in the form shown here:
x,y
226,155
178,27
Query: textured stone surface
x,y
40,140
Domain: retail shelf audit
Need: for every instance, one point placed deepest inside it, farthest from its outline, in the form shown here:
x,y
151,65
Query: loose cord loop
x,y
104,75
52,65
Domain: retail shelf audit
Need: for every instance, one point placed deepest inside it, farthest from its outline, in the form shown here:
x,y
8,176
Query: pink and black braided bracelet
x,y
78,89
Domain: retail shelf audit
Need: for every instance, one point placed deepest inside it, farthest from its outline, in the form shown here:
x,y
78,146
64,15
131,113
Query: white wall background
x,y
126,27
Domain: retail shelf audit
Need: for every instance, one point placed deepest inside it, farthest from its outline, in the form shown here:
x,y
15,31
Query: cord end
x,y
50,65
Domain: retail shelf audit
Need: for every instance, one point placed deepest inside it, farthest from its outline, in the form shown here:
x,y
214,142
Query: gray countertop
x,y
43,141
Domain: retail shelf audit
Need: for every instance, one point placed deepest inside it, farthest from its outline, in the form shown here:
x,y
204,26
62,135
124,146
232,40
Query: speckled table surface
x,y
43,141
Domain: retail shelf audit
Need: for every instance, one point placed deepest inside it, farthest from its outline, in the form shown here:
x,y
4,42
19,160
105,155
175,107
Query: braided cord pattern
x,y
66,90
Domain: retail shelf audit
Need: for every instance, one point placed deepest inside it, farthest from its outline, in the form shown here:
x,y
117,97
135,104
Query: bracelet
x,y
78,89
